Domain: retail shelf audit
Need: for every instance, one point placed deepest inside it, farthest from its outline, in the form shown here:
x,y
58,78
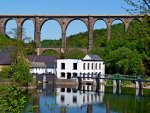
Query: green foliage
x,y
124,60
14,77
74,54
98,51
125,53
12,100
100,38
129,53
124,103
109,83
78,40
21,72
138,6
51,43
127,84
29,48
33,108
50,107
6,72
5,41
50,52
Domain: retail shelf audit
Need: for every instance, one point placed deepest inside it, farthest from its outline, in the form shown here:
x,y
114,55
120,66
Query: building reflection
x,y
83,96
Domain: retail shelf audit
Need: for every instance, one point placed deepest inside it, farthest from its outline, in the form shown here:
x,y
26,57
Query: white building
x,y
89,66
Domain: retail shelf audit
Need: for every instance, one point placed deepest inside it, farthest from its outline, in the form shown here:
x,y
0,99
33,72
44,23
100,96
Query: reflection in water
x,y
107,107
86,99
89,108
79,97
62,110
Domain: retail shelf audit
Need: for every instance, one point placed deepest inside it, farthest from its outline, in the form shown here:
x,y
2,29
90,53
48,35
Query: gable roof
x,y
40,58
92,58
6,55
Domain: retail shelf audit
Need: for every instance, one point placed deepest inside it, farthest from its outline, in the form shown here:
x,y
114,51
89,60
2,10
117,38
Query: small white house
x,y
42,64
89,66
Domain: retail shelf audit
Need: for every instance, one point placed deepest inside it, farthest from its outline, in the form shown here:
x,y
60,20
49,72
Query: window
x,y
99,74
96,66
62,98
62,65
74,66
92,98
88,87
83,76
92,66
68,75
88,75
88,66
84,66
62,89
68,90
74,90
74,99
63,75
99,66
87,98
83,89
75,75
83,99
92,75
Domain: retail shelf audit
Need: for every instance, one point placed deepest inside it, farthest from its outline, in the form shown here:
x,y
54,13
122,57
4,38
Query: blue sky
x,y
51,29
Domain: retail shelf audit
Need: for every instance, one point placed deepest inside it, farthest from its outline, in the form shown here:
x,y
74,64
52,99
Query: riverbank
x,y
74,83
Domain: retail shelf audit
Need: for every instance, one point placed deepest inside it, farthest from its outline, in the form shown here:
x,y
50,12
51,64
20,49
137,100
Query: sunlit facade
x,y
90,66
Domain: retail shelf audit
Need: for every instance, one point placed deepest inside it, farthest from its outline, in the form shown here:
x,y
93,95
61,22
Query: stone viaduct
x,y
64,21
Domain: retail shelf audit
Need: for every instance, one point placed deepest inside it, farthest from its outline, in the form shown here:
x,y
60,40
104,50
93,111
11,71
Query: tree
x,y
138,6
12,100
51,53
21,73
75,54
125,61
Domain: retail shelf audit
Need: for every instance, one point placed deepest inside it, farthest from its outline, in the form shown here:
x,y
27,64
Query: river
x,y
87,99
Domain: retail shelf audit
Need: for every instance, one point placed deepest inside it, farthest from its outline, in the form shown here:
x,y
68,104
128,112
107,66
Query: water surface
x,y
88,99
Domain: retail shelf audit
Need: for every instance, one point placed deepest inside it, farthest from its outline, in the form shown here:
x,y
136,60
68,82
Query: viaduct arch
x,y
64,21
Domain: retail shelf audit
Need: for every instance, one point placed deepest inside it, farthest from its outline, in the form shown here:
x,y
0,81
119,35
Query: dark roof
x,y
40,58
93,58
6,55
51,64
43,65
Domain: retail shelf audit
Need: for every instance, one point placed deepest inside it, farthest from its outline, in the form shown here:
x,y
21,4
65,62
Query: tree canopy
x,y
138,6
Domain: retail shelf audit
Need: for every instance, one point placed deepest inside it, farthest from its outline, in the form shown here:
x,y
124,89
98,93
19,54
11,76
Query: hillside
x,y
6,41
125,53
81,39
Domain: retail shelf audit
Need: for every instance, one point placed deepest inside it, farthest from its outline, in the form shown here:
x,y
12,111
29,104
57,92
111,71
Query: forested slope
x,y
125,53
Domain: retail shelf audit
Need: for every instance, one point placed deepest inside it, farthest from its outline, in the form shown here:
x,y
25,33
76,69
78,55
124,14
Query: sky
x,y
51,29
